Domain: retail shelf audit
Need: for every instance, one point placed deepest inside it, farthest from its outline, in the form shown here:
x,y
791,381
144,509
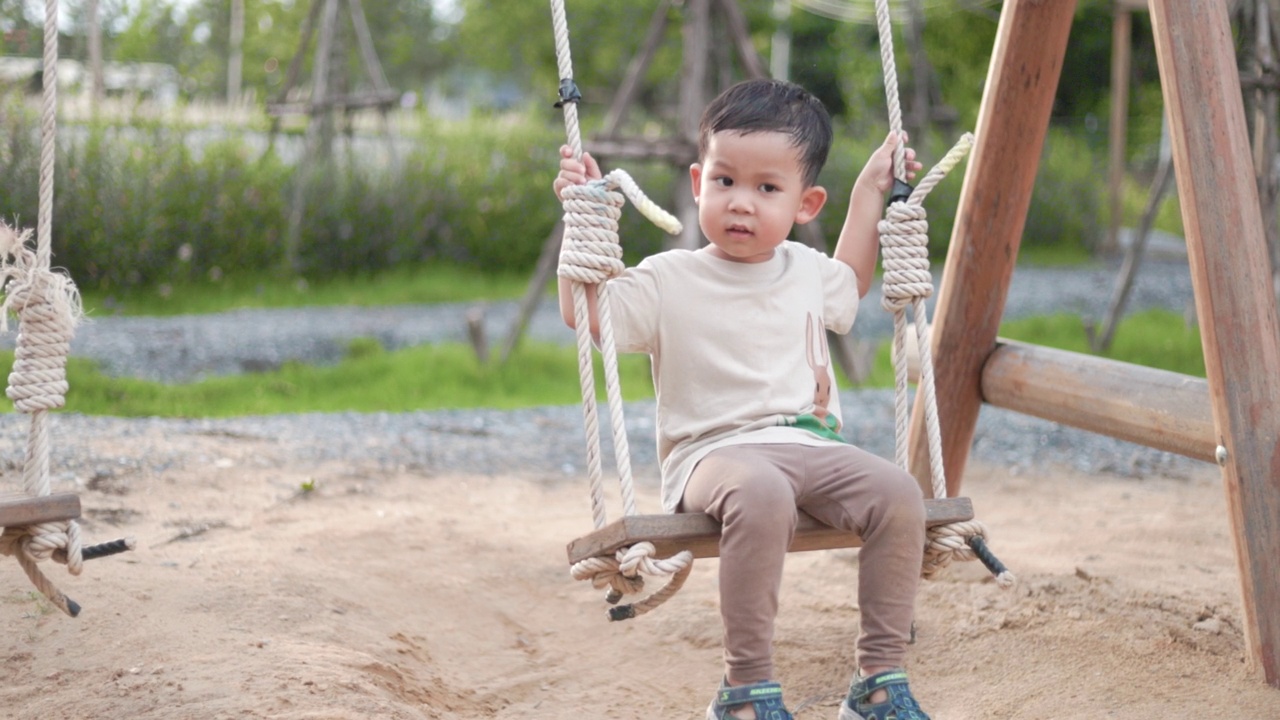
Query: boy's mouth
x,y
738,230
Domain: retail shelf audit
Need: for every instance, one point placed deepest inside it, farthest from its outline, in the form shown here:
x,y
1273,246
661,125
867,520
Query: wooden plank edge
x,y
22,510
698,533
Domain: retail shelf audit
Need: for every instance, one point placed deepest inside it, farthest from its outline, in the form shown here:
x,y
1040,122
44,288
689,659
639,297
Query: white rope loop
x,y
885,28
590,254
648,208
48,132
908,282
48,309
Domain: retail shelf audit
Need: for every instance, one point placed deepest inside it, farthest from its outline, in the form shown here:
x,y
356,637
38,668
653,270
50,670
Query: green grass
x,y
449,376
370,379
416,285
1154,338
1054,256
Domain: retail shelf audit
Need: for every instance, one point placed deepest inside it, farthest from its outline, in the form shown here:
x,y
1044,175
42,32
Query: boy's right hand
x,y
574,172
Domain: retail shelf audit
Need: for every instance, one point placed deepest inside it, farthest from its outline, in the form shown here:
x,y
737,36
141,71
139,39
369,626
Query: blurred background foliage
x,y
201,188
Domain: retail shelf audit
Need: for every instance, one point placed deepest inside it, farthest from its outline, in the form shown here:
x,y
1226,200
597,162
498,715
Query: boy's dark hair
x,y
768,105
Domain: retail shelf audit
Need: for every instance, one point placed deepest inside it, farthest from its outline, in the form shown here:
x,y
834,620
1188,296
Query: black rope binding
x,y
901,191
112,547
987,557
622,612
568,92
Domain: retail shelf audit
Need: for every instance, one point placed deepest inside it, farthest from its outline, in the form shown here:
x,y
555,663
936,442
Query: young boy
x,y
748,424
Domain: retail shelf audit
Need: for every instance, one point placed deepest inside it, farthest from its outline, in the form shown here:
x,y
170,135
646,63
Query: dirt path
x,y
412,596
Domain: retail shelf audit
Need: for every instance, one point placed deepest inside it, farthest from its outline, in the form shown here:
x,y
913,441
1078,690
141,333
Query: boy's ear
x,y
811,202
695,176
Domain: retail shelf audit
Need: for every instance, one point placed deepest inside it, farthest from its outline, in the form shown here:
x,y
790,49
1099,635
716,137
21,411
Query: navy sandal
x,y
900,705
764,697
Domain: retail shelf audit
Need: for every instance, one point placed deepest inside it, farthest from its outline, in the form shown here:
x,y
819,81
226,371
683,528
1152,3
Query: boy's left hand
x,y
879,168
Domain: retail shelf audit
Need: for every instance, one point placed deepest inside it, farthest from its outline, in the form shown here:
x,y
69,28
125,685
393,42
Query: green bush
x,y
141,205
1066,203
1070,196
145,204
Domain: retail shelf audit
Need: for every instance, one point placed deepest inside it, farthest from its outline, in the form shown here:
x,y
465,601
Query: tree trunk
x,y
97,89
235,53
920,115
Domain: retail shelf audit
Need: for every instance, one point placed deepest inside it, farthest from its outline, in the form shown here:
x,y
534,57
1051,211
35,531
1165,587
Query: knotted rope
x,y
590,254
48,308
904,243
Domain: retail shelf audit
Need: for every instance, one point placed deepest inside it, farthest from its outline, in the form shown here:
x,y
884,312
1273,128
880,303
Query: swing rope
x,y
904,242
590,254
48,309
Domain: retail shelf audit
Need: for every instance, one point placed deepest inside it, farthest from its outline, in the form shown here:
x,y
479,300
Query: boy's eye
x,y
767,188
724,181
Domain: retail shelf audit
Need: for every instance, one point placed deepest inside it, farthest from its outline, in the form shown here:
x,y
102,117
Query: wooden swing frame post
x,y
1226,244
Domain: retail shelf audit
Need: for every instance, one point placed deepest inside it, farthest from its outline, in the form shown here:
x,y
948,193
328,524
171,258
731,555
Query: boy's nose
x,y
738,202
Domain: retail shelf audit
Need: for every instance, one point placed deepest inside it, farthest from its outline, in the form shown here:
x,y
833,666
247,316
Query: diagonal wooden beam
x,y
1026,62
368,54
295,65
1226,247
752,65
636,70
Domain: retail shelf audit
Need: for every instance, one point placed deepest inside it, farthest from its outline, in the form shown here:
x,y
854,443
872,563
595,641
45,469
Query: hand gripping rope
x,y
590,255
48,309
904,244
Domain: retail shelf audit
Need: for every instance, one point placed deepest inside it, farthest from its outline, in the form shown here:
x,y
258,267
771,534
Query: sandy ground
x,y
406,595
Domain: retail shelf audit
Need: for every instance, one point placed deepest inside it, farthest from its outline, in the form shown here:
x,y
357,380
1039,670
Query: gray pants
x,y
755,490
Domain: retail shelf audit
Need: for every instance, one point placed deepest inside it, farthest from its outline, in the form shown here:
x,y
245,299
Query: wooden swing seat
x,y
19,510
700,534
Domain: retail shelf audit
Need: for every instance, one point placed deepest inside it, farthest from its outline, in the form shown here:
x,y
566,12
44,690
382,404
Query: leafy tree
x,y
603,37
152,33
20,31
194,36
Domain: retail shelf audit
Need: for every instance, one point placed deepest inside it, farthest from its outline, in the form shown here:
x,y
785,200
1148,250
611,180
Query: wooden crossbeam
x,y
375,98
1157,408
700,534
20,510
675,152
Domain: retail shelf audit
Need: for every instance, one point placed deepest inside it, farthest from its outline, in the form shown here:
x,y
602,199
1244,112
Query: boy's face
x,y
750,191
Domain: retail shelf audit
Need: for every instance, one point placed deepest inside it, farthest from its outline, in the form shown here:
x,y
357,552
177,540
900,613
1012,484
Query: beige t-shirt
x,y
739,351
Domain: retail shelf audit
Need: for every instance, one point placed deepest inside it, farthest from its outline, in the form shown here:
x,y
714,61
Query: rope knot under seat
x,y
904,245
46,541
961,541
623,575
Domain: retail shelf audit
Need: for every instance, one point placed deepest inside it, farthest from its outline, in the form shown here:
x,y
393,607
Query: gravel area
x,y
186,348
544,441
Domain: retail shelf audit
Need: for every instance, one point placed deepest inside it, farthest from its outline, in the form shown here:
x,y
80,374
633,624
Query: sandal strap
x,y
901,704
764,697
